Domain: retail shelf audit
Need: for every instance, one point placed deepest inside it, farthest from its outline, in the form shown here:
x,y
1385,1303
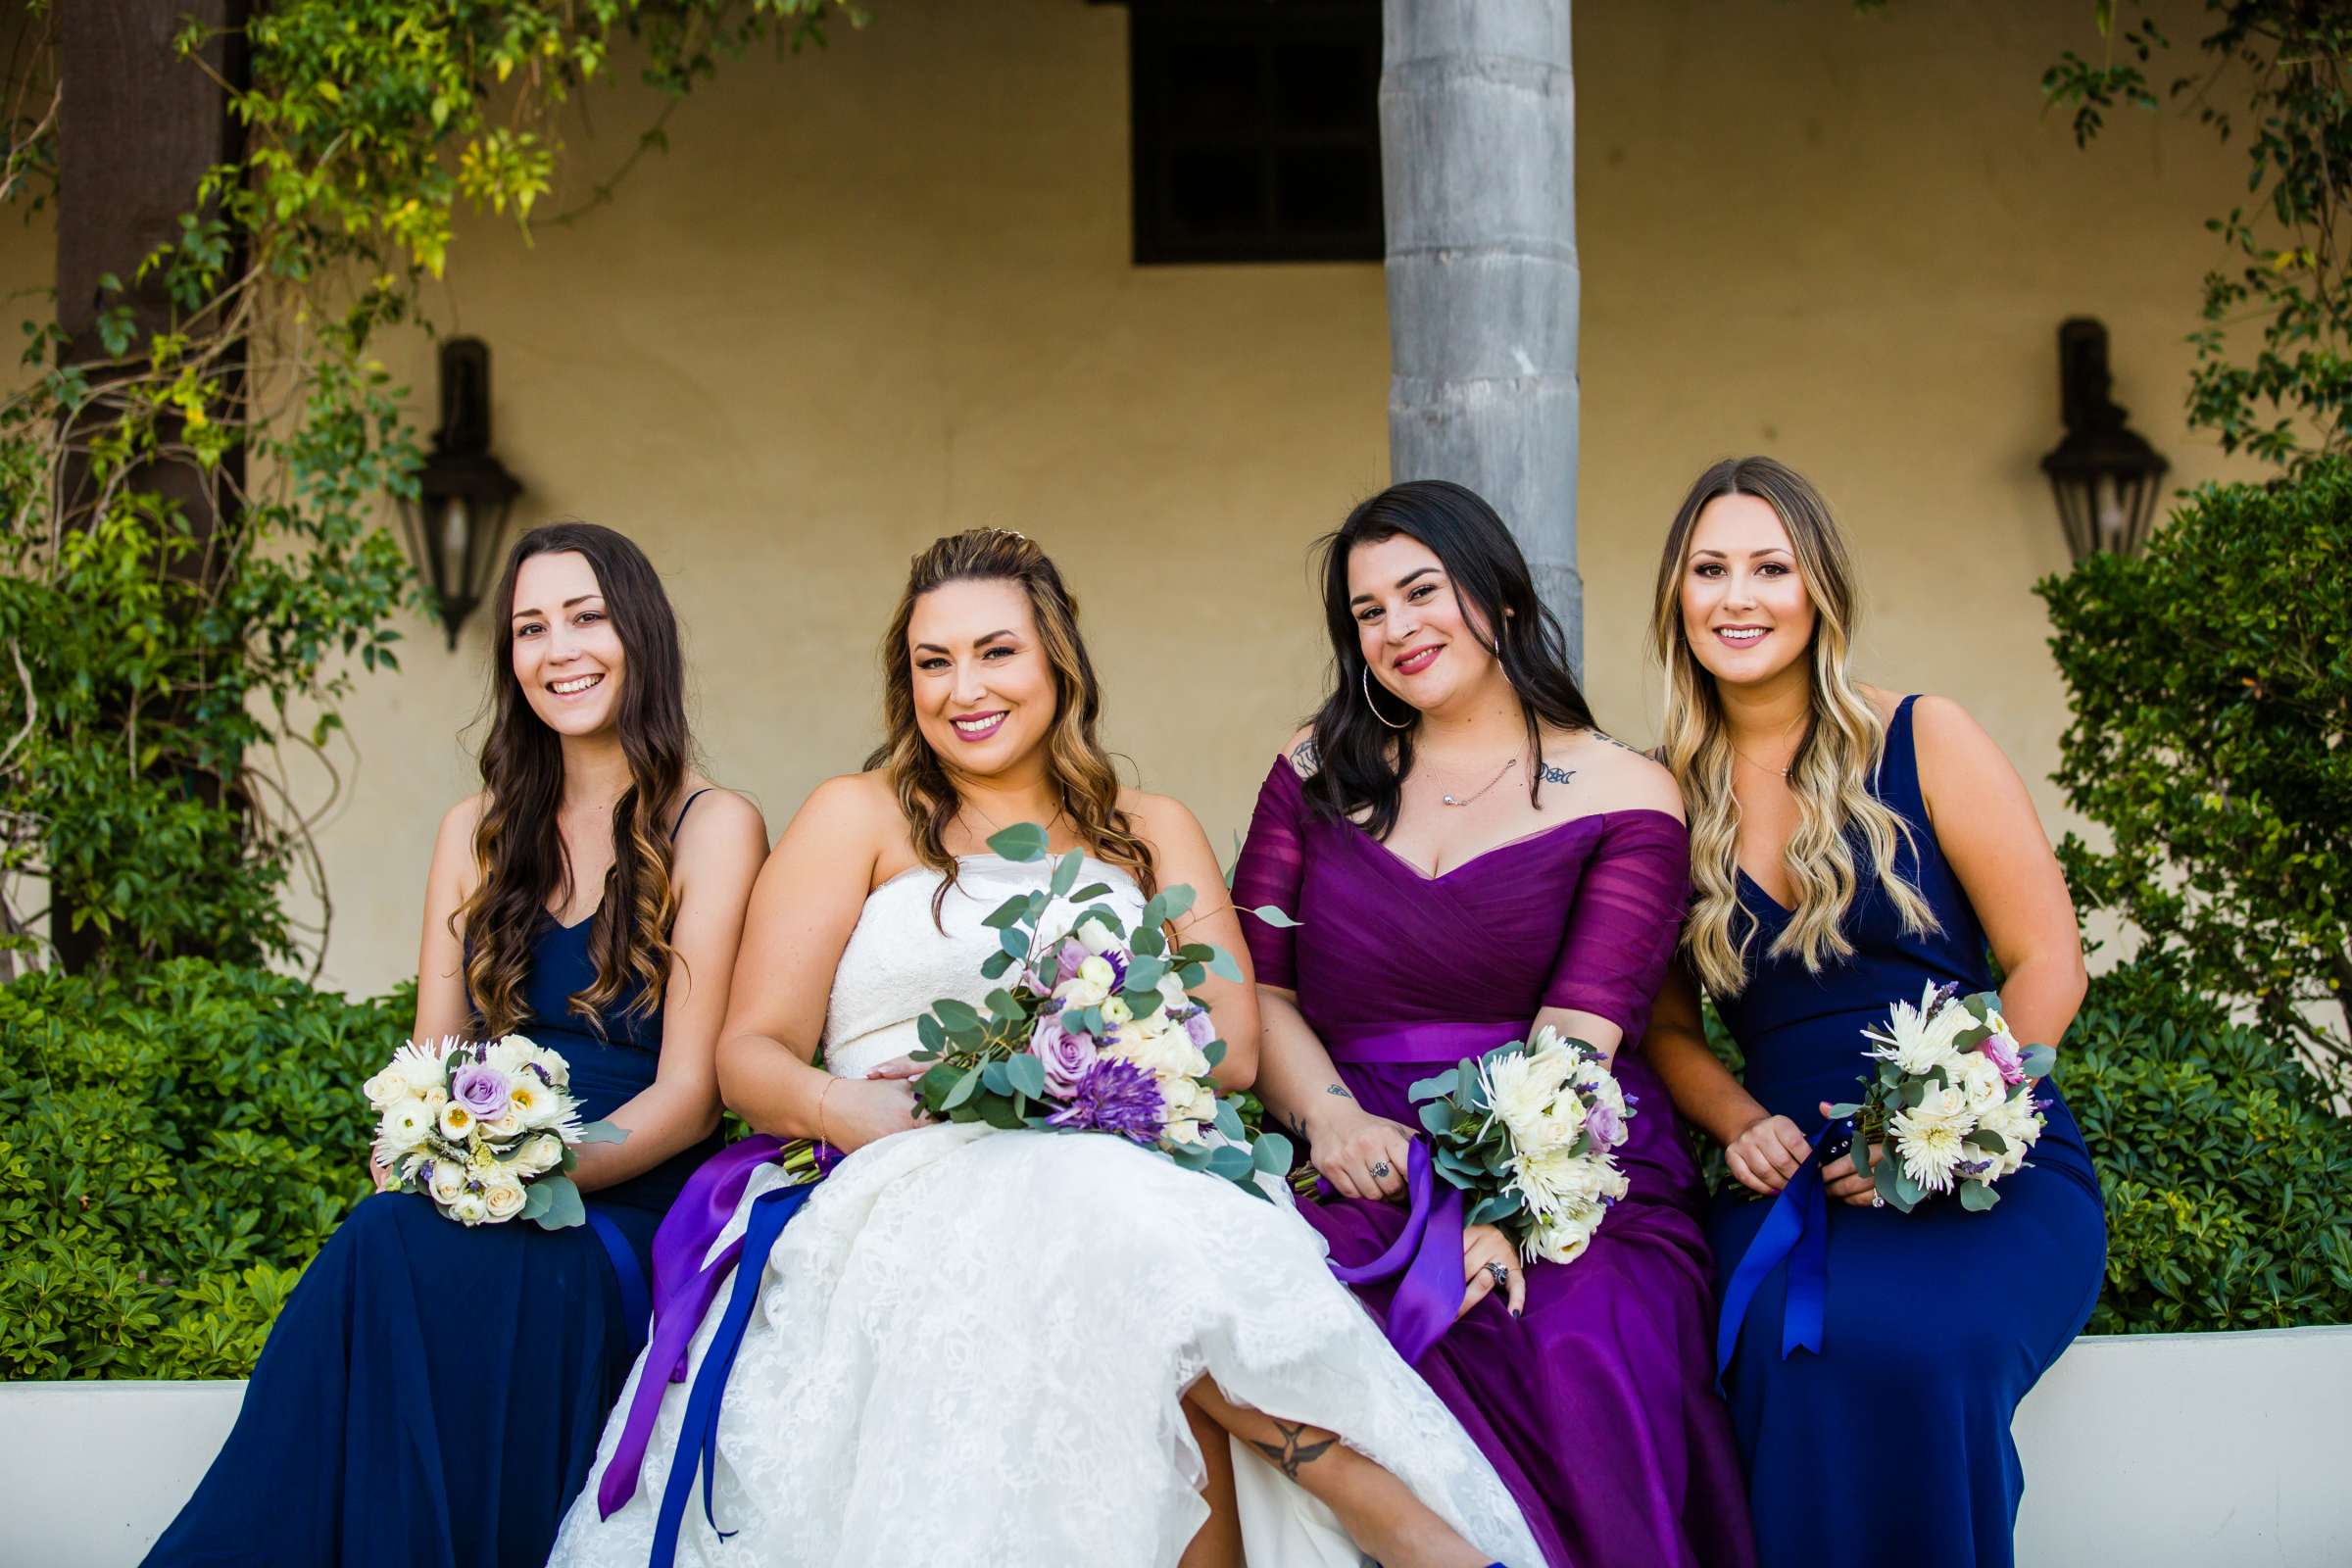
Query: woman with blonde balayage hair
x,y
1000,1345
1850,849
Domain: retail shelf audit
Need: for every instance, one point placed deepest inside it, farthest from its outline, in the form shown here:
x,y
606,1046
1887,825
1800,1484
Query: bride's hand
x,y
1361,1154
858,1110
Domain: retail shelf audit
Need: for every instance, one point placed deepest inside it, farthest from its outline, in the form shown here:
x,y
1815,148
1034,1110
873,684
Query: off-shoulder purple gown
x,y
1599,1408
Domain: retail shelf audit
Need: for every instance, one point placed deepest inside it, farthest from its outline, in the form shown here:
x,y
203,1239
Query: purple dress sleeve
x,y
1271,870
1625,920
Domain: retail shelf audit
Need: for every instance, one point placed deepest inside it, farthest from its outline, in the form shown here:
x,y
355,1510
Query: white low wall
x,y
2196,1450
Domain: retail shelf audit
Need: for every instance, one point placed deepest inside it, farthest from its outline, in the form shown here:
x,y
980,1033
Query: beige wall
x,y
881,291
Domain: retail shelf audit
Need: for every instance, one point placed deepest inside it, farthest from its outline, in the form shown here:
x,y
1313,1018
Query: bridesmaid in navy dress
x,y
1469,857
431,1395
1849,849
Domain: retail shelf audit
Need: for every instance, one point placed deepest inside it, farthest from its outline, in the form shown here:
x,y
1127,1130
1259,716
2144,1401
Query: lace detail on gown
x,y
971,1345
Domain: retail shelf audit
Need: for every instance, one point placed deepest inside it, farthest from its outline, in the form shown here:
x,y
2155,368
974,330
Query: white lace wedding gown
x,y
971,1344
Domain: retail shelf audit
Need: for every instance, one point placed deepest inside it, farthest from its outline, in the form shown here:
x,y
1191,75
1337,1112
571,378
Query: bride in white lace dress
x,y
973,1346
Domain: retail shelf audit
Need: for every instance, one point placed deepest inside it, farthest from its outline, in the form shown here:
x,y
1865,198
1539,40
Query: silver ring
x,y
1875,1201
1503,1275
1380,1171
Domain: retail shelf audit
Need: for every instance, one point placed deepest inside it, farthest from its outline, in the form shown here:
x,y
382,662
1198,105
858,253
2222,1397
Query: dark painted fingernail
x,y
1515,1312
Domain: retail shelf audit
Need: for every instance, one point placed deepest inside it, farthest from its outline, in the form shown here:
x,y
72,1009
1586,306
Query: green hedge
x,y
2227,1172
174,1146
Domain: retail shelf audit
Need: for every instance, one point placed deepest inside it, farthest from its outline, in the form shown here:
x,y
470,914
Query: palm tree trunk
x,y
1478,144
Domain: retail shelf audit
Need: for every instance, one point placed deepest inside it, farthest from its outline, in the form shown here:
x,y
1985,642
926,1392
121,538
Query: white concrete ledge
x,y
2156,1449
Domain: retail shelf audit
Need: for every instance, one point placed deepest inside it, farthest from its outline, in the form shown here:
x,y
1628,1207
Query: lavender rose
x,y
481,1091
1067,1056
1605,1125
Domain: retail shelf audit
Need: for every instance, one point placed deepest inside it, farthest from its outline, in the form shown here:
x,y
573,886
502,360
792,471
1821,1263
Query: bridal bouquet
x,y
1952,1100
1092,1029
485,1131
1529,1132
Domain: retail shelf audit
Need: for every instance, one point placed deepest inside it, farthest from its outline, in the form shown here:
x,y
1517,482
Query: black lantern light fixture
x,y
2105,475
464,493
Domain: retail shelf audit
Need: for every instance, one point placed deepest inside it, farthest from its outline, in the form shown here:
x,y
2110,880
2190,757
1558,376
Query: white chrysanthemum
x,y
1916,1039
1929,1137
1522,1086
1980,1082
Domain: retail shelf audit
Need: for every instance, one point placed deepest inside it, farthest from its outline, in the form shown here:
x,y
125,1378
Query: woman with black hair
x,y
432,1393
1470,858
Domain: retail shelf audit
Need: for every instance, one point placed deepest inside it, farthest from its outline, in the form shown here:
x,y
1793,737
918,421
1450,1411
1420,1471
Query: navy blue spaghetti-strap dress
x,y
1893,1443
431,1396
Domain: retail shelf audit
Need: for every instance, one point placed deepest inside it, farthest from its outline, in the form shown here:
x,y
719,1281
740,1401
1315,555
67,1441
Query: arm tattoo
x,y
1306,758
1340,1089
1290,1453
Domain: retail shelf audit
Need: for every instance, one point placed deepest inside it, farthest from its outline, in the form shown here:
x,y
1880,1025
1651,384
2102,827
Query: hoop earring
x,y
1375,706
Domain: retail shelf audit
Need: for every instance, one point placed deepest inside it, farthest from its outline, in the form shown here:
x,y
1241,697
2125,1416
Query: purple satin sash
x,y
684,1287
1434,1044
1428,1252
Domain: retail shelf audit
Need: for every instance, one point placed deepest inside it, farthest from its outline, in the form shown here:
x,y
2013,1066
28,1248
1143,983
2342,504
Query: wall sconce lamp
x,y
2105,475
464,493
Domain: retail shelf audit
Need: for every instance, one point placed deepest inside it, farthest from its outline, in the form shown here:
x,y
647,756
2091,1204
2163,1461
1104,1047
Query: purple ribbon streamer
x,y
1428,1252
684,1287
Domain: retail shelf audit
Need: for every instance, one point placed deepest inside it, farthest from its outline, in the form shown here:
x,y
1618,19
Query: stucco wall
x,y
882,291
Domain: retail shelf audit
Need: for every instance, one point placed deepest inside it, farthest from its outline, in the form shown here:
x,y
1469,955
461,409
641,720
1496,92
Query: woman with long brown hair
x,y
983,1345
433,1393
1850,848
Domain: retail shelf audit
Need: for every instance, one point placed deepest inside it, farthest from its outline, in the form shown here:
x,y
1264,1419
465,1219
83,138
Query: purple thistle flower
x,y
1114,1096
1117,959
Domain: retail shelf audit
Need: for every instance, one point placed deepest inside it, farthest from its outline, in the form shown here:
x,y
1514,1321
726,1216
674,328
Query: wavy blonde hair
x,y
1085,783
1829,775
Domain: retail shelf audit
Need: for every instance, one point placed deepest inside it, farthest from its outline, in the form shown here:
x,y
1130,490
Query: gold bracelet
x,y
831,1083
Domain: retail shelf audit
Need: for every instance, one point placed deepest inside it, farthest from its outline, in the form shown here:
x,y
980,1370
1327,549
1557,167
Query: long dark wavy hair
x,y
1362,761
1085,783
518,851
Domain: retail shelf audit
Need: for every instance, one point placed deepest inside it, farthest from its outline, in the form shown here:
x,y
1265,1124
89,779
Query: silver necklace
x,y
1465,800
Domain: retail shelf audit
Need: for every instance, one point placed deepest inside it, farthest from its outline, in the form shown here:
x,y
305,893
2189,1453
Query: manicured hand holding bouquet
x,y
1098,1031
1952,1100
1528,1133
485,1131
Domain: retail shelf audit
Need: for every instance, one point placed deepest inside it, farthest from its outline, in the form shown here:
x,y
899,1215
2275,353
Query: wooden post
x,y
138,127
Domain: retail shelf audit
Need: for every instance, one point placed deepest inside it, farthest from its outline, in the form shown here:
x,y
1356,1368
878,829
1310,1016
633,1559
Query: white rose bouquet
x,y
485,1131
1952,1100
1093,1030
1528,1133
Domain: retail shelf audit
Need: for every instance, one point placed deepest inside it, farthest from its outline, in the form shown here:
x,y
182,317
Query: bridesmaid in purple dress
x,y
1466,857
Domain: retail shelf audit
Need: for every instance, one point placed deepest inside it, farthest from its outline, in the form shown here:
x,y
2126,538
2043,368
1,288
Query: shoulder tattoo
x,y
1612,740
1555,775
1306,758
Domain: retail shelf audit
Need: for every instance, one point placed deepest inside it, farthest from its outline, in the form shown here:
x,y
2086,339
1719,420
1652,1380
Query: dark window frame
x,y
1297,164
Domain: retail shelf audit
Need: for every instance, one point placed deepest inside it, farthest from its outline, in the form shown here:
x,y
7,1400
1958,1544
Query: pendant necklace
x,y
1465,800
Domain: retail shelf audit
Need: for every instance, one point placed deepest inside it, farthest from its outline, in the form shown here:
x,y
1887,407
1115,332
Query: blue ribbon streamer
x,y
636,1301
1796,1232
698,1438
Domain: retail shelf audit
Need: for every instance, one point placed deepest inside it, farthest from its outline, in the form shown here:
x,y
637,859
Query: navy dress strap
x,y
689,806
1895,779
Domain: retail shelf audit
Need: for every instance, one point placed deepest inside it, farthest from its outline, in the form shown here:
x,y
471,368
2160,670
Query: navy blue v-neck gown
x,y
431,1396
1892,1444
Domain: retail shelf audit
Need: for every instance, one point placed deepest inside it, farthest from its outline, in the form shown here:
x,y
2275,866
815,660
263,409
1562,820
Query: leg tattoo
x,y
1290,1453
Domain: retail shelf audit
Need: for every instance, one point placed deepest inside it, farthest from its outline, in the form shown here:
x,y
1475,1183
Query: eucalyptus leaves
x,y
1094,1027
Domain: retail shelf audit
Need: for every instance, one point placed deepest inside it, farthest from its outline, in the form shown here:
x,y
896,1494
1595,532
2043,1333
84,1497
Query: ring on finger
x,y
1380,1171
1501,1273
